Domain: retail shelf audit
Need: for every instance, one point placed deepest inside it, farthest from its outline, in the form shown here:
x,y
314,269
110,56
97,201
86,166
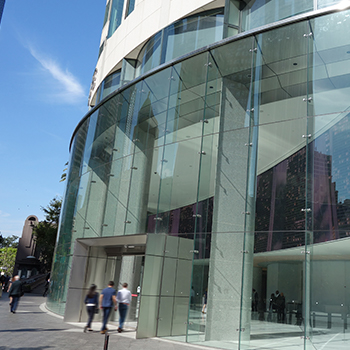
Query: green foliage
x,y
64,174
52,211
9,242
45,232
7,260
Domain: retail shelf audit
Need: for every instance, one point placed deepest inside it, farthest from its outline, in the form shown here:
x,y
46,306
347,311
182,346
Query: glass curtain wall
x,y
181,38
235,163
257,13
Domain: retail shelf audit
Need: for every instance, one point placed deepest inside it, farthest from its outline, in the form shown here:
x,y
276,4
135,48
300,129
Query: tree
x,y
9,242
7,260
64,174
45,232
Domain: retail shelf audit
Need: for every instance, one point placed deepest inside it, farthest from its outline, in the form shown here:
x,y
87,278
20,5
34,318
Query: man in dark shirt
x,y
15,292
107,300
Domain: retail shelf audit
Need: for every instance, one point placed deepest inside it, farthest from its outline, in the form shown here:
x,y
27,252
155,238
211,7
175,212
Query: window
x,y
130,7
116,16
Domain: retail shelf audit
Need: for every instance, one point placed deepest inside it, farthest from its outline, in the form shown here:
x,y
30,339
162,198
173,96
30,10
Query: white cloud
x,y
69,90
3,214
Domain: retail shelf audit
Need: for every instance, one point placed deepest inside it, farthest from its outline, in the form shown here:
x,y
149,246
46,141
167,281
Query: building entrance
x,y
100,260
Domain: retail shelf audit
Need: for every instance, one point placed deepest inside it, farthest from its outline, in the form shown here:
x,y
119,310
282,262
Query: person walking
x,y
15,292
123,300
2,282
107,300
91,302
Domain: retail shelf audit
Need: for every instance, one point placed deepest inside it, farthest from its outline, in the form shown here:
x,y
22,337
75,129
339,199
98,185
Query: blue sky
x,y
48,53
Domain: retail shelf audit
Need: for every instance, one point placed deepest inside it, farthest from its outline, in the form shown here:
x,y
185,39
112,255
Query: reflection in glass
x,y
180,38
330,62
257,13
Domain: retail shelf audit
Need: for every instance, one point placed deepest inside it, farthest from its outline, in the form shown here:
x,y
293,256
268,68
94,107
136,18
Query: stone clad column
x,y
228,244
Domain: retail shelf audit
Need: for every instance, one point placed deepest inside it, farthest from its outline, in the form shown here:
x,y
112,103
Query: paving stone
x,y
33,328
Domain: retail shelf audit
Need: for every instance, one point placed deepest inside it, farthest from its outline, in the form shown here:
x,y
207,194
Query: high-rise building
x,y
214,161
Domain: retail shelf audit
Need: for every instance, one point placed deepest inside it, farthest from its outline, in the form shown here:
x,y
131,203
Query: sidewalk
x,y
33,327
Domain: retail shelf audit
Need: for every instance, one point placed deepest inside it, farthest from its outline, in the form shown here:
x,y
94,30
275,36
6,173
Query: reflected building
x,y
214,160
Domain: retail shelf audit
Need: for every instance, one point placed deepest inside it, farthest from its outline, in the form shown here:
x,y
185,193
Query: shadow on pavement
x,y
30,330
26,348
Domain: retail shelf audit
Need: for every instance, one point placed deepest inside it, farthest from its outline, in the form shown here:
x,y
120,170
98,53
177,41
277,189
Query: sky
x,y
48,53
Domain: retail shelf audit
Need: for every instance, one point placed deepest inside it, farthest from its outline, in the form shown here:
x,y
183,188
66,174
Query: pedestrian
x,y
15,292
47,285
205,300
2,282
123,300
91,302
107,300
255,300
7,280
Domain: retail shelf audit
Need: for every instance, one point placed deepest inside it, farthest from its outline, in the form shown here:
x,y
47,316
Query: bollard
x,y
106,342
345,315
329,320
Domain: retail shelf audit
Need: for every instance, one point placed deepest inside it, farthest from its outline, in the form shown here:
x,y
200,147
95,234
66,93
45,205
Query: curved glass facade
x,y
234,163
110,84
257,13
180,38
174,41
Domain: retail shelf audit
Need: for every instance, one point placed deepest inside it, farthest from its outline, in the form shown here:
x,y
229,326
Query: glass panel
x,y
109,84
178,166
116,16
234,12
190,34
186,100
260,12
60,274
90,136
179,315
278,289
149,56
281,75
139,191
324,3
329,218
181,38
232,32
81,206
279,225
106,13
130,7
119,169
96,193
234,63
329,310
330,64
143,139
152,115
